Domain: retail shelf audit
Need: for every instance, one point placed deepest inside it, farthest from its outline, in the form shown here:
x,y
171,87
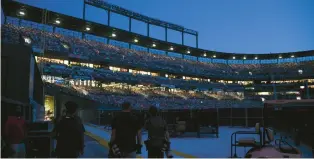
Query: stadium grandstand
x,y
104,66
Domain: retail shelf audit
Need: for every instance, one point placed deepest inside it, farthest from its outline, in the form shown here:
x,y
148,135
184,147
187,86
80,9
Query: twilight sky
x,y
235,26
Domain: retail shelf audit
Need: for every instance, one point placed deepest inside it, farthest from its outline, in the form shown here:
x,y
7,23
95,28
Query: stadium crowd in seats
x,y
101,74
163,99
98,51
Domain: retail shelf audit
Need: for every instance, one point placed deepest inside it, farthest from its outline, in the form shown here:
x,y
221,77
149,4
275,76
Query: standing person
x,y
125,130
16,133
158,141
70,133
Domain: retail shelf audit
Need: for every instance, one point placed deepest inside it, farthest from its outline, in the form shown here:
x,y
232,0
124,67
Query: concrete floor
x,y
206,146
93,149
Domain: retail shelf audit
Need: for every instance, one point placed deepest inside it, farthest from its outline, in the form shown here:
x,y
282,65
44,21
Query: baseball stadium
x,y
216,104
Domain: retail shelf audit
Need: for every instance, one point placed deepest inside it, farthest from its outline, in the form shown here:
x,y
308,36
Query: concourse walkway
x,y
93,149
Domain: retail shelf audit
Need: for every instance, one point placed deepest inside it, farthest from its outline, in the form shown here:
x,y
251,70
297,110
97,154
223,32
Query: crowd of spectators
x,y
162,99
98,51
95,51
103,74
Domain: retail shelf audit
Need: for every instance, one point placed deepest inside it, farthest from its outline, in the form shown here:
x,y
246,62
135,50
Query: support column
x,y
196,40
84,7
148,32
182,38
108,18
130,24
166,34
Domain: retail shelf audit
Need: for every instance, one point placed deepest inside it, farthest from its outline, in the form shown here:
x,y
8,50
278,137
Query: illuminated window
x,y
49,108
66,62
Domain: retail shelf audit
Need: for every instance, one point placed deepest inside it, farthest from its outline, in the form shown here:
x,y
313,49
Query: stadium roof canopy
x,y
13,9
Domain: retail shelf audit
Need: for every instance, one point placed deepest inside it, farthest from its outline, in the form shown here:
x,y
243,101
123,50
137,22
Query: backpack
x,y
156,132
126,129
69,134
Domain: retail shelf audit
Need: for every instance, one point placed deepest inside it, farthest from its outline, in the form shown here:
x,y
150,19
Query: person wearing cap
x,y
70,133
126,134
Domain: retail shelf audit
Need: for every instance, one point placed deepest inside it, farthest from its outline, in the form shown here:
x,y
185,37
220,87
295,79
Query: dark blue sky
x,y
242,26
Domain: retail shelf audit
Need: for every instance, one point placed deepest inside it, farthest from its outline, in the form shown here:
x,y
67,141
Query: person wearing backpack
x,y
16,133
158,141
70,133
126,134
